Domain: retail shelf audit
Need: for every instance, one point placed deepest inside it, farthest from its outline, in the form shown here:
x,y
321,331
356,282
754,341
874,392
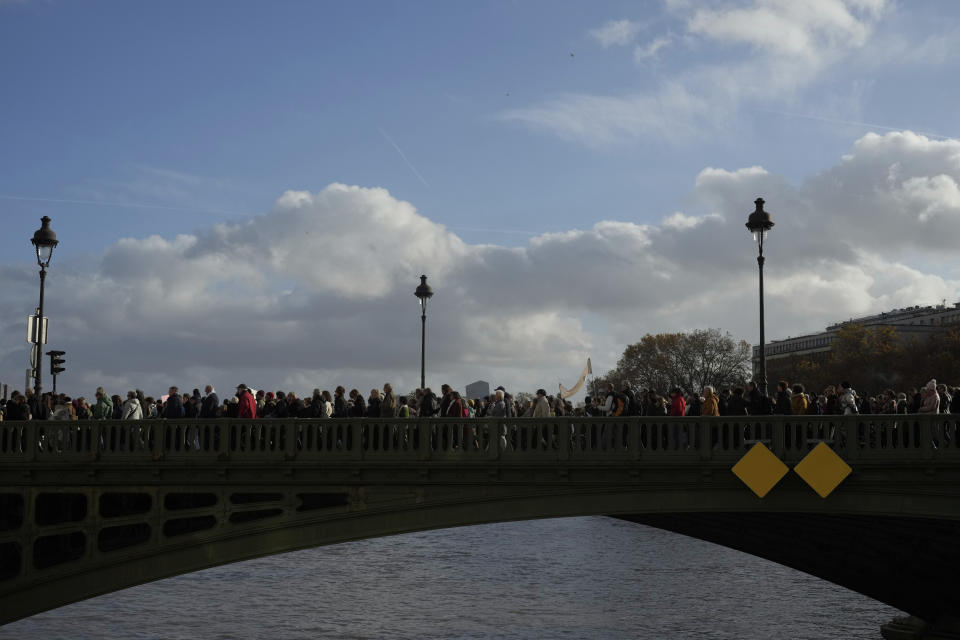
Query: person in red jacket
x,y
247,406
678,408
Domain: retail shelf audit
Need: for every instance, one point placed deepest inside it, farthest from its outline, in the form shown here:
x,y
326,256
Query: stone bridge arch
x,y
94,508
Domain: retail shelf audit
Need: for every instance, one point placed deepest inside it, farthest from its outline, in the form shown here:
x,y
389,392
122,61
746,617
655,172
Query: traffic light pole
x,y
56,366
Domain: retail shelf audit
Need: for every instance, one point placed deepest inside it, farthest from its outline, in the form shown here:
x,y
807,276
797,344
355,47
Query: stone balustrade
x,y
561,439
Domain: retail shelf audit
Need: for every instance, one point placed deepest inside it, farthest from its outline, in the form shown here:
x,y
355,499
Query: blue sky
x,y
500,121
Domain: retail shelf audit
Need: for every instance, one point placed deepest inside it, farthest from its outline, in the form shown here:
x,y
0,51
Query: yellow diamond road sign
x,y
823,469
760,469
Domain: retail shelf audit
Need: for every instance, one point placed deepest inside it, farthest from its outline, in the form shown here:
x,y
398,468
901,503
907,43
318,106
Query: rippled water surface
x,y
570,578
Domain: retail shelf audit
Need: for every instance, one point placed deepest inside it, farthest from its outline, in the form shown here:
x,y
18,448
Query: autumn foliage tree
x,y
876,358
687,360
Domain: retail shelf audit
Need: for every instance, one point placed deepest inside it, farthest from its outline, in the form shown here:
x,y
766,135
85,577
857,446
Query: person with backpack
x,y
615,404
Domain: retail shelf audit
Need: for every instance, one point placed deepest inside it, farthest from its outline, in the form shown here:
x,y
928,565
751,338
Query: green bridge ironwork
x,y
89,507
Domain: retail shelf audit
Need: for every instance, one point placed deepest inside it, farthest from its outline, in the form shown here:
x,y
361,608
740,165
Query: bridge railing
x,y
527,439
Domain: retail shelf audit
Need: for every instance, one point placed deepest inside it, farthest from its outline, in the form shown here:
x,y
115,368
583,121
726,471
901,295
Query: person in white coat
x,y
131,407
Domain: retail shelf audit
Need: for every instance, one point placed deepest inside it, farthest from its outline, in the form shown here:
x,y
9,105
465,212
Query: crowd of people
x,y
787,399
251,403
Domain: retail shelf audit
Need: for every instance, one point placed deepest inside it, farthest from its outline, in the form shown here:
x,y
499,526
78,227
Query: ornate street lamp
x,y
424,292
44,240
759,223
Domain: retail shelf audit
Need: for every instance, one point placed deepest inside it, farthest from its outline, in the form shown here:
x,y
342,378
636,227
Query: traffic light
x,y
56,361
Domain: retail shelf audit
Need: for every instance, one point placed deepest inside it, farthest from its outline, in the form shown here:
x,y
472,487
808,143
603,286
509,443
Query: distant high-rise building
x,y
478,389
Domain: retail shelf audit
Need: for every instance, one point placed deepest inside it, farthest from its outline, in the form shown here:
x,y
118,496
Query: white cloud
x,y
644,52
806,29
681,221
772,50
932,196
616,32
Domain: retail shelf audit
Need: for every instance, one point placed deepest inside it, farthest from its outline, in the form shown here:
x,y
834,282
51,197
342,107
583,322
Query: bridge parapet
x,y
562,439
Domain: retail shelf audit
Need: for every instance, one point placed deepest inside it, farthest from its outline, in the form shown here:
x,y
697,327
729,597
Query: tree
x,y
870,358
597,385
688,360
940,357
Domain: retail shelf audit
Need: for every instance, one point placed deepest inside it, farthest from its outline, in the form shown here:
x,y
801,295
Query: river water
x,y
567,578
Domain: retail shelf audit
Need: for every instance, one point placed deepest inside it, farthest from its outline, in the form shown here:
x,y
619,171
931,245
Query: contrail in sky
x,y
849,122
403,155
120,204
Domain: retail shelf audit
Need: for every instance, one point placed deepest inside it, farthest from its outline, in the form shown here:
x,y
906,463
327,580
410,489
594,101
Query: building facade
x,y
909,321
478,389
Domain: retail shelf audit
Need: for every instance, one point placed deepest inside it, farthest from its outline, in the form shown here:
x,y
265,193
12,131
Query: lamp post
x,y
44,239
424,292
759,223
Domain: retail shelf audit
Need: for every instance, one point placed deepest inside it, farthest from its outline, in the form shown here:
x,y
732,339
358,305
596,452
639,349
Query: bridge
x,y
90,507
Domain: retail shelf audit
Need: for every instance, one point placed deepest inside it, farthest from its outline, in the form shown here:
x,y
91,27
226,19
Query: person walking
x,y
131,407
711,402
246,404
103,409
388,403
210,406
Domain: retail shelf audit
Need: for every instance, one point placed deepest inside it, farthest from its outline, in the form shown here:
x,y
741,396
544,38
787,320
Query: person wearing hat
x,y
247,408
541,408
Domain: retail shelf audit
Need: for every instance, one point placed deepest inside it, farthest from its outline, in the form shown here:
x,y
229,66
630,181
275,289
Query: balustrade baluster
x,y
564,436
851,430
705,438
779,437
926,437
292,443
355,439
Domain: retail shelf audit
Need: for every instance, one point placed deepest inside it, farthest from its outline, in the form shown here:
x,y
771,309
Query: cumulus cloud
x,y
318,291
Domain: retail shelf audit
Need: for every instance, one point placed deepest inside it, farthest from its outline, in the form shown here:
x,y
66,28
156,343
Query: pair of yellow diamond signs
x,y
761,470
